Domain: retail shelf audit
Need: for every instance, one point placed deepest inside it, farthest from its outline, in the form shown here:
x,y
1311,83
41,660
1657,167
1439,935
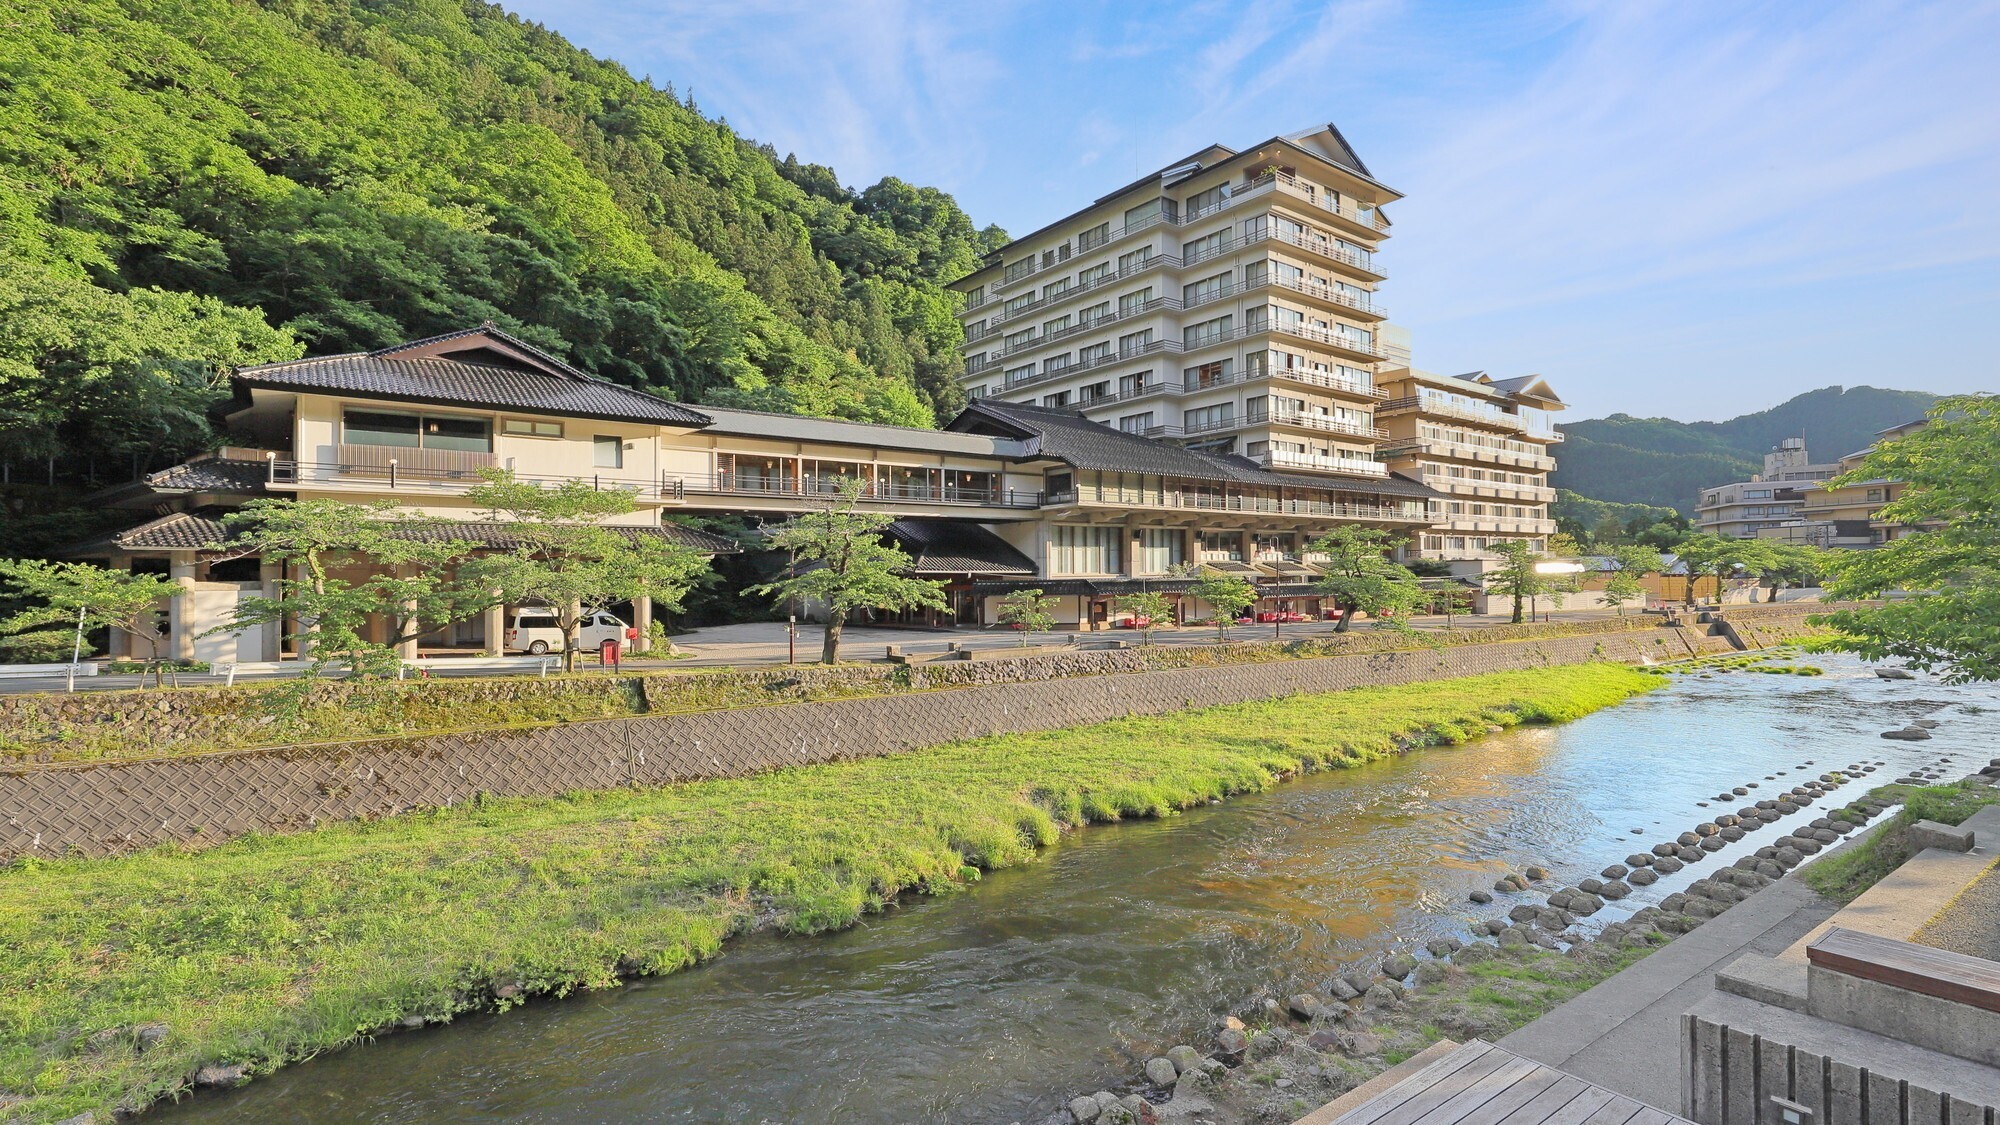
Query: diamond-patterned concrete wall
x,y
113,807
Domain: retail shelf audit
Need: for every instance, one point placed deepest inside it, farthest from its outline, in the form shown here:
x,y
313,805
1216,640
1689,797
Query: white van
x,y
534,630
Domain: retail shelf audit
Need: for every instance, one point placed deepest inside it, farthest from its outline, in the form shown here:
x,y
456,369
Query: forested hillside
x,y
187,184
1663,462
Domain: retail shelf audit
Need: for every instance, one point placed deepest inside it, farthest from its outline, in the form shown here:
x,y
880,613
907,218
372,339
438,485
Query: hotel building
x,y
1773,498
1847,516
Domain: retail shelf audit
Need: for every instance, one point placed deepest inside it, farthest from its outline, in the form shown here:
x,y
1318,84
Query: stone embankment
x,y
1275,1060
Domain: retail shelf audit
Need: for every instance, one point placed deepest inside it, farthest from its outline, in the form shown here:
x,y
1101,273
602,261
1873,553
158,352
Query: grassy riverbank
x,y
1844,876
268,949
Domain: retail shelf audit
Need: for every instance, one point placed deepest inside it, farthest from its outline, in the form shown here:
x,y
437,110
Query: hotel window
x,y
1359,376
1095,274
1051,327
829,476
975,297
976,392
975,331
1754,494
964,484
1056,363
1207,289
1016,304
1209,417
1060,398
1085,550
1093,353
1094,237
1354,294
1134,259
1018,270
1134,302
1207,332
1206,246
1160,549
528,427
1202,202
1095,313
1020,374
753,474
607,451
1132,343
1020,339
1354,335
1876,494
1055,289
416,431
1355,250
1221,546
1134,383
1256,273
1059,254
1136,423
1207,375
1093,392
1144,215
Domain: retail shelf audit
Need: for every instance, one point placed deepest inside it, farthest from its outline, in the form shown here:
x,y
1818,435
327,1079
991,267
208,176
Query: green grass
x,y
1845,876
269,949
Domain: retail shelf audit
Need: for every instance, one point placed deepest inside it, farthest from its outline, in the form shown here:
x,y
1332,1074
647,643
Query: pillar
x,y
274,630
181,626
642,620
494,625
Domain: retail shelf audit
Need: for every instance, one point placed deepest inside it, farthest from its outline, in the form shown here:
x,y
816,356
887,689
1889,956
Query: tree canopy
x,y
1948,567
191,185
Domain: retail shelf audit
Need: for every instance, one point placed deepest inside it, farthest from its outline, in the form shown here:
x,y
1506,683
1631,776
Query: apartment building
x,y
1007,496
1744,509
1483,443
1226,302
1847,516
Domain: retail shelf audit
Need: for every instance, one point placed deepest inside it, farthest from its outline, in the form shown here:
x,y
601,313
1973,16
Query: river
x,y
999,1003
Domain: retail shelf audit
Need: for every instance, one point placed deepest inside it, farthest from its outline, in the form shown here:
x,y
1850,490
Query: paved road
x,y
765,643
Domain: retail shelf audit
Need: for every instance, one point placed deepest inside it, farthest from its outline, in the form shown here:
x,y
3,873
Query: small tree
x,y
1229,595
1030,611
1949,566
1518,576
418,585
1794,564
564,557
1149,606
83,597
1622,583
856,568
1361,578
1714,555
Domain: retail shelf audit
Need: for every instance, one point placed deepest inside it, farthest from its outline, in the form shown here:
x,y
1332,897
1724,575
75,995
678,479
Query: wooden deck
x,y
1481,1084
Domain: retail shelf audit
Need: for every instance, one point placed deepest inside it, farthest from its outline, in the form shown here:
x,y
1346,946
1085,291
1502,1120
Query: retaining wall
x,y
109,807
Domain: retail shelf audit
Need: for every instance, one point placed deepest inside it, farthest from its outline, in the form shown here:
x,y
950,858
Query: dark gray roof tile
x,y
956,547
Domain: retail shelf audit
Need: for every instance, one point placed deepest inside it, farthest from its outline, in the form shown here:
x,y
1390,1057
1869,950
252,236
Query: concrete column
x,y
274,631
181,627
642,620
495,628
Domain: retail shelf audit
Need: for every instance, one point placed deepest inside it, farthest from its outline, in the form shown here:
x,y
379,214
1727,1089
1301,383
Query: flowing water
x,y
996,1004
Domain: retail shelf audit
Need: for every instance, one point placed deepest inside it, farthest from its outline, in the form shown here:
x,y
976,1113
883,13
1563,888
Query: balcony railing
x,y
1329,381
1307,420
1358,466
401,472
1269,505
881,491
1134,312
1439,447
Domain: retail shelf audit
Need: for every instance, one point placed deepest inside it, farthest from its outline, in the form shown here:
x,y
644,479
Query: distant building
x,y
1847,516
1745,509
1482,442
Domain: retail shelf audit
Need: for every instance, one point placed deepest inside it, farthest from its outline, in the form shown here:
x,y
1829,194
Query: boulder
x,y
1707,828
1431,972
1083,1109
1482,897
1525,912
1398,966
1589,886
1341,990
1305,1006
1731,833
1893,674
1790,857
1714,844
1443,947
1358,981
1643,877
1536,874
1639,859
1687,839
1908,734
147,1036
1380,996
1161,1072
1231,1042
221,1074
1616,871
1689,855
1183,1057
1614,890
1667,865
1664,849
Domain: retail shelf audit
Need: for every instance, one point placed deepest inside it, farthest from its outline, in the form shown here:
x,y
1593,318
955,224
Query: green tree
x,y
1629,564
1027,610
1722,558
1519,576
847,566
1948,566
1228,594
1361,578
1149,606
415,581
81,598
563,555
1794,564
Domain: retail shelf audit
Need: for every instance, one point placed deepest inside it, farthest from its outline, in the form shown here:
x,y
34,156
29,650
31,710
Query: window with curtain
x,y
1075,549
1159,550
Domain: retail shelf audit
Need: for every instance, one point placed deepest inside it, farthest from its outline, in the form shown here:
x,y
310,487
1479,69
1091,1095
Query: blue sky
x,y
1682,209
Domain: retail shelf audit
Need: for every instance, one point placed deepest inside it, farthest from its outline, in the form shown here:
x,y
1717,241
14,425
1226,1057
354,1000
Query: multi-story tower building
x,y
1226,301
1743,509
1482,442
1848,516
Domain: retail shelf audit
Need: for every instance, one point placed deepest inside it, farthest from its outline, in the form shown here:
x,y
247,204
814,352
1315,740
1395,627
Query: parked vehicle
x,y
533,630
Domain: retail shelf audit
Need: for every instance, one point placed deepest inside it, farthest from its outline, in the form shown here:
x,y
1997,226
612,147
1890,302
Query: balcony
x,y
1143,309
1352,466
876,490
1346,345
1495,525
1437,447
1327,381
1300,419
1496,490
375,468
1185,500
1082,288
1428,405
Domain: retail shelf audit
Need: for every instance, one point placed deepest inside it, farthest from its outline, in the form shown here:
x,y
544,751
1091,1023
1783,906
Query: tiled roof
x,y
198,530
954,547
540,383
213,474
1069,437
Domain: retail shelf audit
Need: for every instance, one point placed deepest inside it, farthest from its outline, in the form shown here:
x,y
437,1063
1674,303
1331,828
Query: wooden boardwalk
x,y
1481,1084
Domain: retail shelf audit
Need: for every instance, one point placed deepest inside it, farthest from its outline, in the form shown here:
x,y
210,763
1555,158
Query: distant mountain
x,y
1659,461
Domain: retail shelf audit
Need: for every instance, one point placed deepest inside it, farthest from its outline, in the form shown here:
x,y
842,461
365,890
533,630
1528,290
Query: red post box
x,y
607,653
